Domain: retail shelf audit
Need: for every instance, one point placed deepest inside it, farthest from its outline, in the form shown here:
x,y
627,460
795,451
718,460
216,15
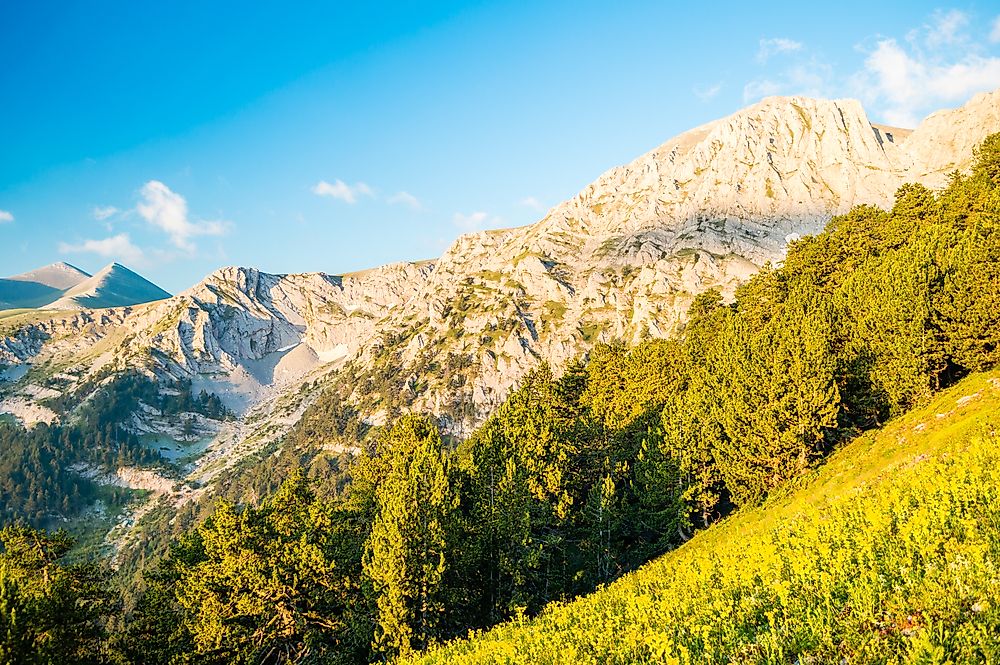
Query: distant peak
x,y
62,265
115,267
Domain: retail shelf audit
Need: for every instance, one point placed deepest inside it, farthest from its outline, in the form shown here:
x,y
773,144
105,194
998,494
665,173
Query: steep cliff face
x,y
620,260
240,333
624,257
249,331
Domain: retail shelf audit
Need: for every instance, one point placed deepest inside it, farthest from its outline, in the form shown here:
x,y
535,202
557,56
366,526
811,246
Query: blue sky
x,y
179,137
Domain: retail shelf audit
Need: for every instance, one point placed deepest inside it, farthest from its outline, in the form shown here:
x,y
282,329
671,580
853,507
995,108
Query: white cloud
x,y
102,213
809,77
339,189
5,217
407,199
475,221
167,210
937,64
117,247
533,203
945,29
904,85
705,94
775,46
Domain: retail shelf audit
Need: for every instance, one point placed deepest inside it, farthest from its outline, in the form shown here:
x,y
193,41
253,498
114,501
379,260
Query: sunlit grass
x,y
888,553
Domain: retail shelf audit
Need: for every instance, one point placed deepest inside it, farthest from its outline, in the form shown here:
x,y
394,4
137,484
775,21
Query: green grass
x,y
591,332
554,310
888,553
13,319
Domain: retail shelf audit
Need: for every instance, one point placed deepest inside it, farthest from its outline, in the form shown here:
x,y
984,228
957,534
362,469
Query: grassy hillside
x,y
890,552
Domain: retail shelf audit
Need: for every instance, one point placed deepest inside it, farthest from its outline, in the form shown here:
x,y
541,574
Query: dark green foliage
x,y
569,487
573,481
407,556
37,481
579,478
50,611
272,584
40,479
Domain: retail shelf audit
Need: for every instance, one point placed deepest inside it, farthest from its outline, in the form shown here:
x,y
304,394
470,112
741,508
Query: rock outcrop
x,y
622,259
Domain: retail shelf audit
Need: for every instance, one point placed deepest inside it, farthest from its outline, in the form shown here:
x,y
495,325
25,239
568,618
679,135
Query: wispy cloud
x,y
475,221
117,247
944,29
776,46
167,210
532,202
338,189
706,94
6,217
810,77
937,65
102,213
942,62
406,199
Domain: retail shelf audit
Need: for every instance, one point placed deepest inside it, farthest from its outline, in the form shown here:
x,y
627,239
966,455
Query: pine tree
x,y
780,396
406,556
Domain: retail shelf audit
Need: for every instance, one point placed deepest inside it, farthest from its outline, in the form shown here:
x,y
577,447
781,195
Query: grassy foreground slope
x,y
890,552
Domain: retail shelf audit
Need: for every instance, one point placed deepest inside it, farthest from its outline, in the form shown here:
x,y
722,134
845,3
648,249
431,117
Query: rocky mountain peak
x,y
620,260
114,285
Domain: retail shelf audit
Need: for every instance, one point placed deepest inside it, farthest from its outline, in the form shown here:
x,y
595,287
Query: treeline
x,y
44,471
580,477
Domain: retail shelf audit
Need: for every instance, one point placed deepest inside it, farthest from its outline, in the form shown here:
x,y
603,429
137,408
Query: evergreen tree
x,y
779,396
51,611
406,556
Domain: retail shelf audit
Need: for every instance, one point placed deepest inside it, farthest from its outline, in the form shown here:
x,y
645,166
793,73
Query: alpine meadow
x,y
735,401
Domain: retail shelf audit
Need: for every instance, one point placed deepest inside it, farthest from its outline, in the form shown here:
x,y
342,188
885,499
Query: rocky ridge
x,y
621,260
112,286
624,257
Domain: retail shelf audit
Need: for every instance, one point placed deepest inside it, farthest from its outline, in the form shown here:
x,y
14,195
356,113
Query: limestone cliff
x,y
622,259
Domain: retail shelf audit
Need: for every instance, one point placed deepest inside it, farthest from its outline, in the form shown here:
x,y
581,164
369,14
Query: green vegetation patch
x,y
887,554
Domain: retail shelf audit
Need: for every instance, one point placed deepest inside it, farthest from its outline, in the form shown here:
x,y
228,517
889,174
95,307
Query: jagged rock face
x,y
240,332
622,259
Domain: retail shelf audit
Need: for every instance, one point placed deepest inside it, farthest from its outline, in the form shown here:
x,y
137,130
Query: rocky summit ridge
x,y
114,285
624,257
620,260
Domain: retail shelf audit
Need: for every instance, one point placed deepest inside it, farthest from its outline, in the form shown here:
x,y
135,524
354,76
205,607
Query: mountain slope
x,y
622,259
112,286
888,551
37,287
59,276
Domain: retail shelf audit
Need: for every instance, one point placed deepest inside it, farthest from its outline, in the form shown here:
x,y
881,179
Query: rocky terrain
x,y
624,257
621,260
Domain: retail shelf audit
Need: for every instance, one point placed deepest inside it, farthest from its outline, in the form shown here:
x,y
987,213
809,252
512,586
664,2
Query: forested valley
x,y
585,473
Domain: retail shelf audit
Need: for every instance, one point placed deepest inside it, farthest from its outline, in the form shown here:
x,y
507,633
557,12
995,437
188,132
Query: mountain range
x,y
63,286
621,260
